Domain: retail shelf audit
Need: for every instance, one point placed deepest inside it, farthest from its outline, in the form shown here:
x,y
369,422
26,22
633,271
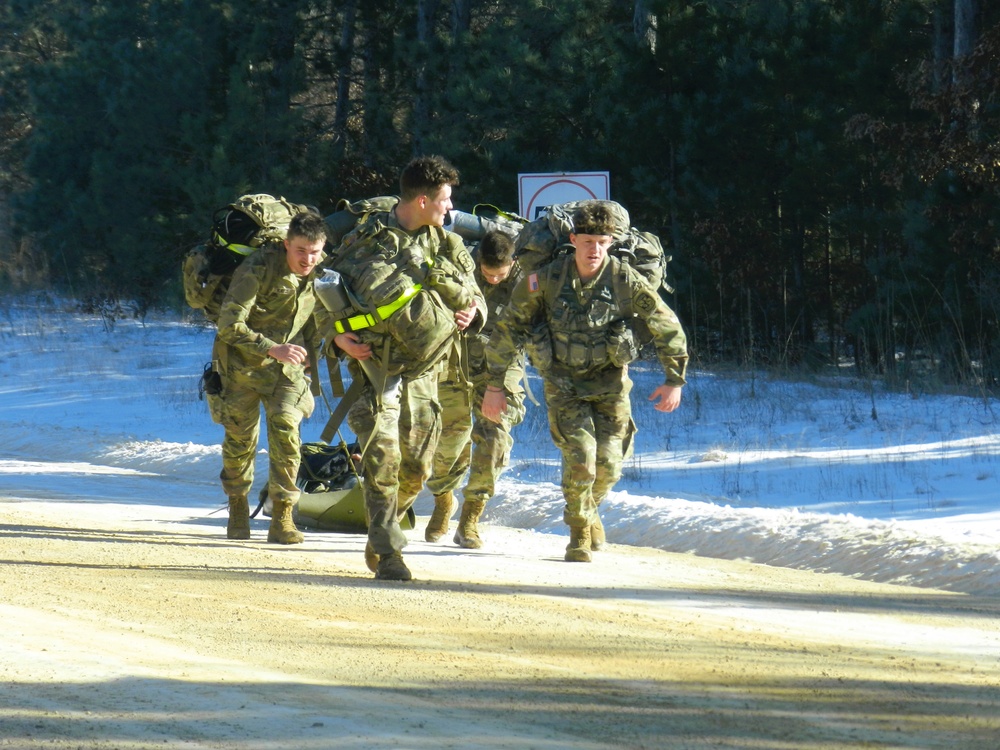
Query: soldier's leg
x,y
451,458
418,431
491,446
614,429
380,470
571,423
452,454
284,410
240,418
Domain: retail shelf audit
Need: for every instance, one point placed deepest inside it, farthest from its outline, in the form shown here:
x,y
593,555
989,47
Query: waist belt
x,y
382,312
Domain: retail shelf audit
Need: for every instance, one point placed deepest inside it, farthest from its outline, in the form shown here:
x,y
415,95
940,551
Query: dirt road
x,y
136,626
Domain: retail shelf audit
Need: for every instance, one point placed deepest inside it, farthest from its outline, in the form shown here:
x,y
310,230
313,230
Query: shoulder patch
x,y
645,301
532,282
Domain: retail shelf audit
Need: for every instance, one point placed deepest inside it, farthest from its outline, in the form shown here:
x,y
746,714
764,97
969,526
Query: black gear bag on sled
x,y
332,498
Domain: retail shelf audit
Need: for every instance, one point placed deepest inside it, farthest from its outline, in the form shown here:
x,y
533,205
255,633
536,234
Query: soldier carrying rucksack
x,y
409,289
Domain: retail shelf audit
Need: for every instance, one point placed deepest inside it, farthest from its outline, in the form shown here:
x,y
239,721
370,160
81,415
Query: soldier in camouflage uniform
x,y
479,446
265,327
399,420
583,306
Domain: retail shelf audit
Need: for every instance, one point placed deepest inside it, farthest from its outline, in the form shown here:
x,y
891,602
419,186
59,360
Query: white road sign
x,y
536,191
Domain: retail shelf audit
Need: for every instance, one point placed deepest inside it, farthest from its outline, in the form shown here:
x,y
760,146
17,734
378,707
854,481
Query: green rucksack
x,y
238,230
547,237
350,215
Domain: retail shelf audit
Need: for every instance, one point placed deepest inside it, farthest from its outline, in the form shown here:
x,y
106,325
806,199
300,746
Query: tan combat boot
x,y
282,529
392,568
238,526
467,534
597,537
578,549
437,527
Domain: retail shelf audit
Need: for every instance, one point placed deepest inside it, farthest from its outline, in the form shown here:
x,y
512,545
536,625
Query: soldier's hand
x,y
464,318
291,354
667,397
494,405
352,346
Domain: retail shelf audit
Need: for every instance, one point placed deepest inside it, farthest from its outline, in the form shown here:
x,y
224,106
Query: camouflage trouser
x,y
491,444
593,433
454,449
284,409
399,441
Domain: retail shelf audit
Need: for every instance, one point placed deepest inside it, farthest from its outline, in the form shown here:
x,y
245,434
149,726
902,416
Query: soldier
x,y
580,311
480,446
398,421
265,327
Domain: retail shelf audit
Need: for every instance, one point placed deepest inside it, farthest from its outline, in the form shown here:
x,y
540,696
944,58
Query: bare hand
x,y
352,346
290,354
464,318
668,397
494,405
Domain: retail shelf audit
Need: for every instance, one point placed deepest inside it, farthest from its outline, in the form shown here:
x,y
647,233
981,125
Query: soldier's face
x,y
494,276
591,250
303,255
436,207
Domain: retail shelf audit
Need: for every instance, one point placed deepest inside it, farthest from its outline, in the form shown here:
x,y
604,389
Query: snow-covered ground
x,y
832,475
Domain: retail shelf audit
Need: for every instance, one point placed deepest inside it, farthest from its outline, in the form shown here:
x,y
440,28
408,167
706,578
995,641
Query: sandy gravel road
x,y
138,627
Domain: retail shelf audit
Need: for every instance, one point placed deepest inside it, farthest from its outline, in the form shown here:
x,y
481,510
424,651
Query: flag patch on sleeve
x,y
532,282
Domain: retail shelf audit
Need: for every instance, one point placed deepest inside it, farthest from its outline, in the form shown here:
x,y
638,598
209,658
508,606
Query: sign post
x,y
538,191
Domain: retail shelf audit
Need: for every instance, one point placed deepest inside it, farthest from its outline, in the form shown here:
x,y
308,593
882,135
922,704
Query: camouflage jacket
x,y
266,305
497,297
583,332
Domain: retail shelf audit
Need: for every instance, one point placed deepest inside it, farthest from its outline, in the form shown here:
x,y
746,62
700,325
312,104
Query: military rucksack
x,y
238,230
378,282
547,237
350,215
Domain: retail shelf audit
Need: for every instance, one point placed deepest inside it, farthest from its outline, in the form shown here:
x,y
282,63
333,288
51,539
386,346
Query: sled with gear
x,y
332,494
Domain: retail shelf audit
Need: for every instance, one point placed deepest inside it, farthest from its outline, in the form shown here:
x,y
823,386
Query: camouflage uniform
x,y
399,426
266,305
469,441
586,337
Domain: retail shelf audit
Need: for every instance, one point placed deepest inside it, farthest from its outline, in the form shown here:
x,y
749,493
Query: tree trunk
x,y
644,25
426,10
345,75
966,12
461,18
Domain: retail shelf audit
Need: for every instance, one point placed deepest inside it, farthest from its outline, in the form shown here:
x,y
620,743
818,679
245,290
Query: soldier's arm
x,y
512,328
473,315
668,335
234,327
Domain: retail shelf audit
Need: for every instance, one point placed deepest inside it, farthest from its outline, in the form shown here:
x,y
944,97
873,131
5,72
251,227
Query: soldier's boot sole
x,y
238,525
437,526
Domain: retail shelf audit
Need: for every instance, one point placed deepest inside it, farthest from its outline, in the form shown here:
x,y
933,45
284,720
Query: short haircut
x,y
496,249
426,175
594,218
308,225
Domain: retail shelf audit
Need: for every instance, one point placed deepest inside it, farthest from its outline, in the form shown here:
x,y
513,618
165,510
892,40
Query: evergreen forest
x,y
824,173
